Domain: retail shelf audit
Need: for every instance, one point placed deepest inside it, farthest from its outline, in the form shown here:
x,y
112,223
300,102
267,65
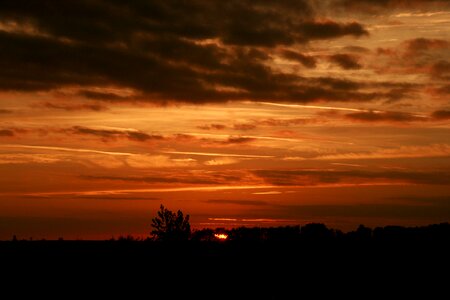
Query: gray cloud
x,y
371,116
345,61
441,115
315,177
113,133
163,50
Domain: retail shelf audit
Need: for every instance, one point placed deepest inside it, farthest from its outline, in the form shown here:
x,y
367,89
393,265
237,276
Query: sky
x,y
238,112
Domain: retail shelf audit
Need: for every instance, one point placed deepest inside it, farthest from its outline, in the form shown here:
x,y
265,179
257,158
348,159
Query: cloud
x,y
305,60
443,90
356,49
5,111
221,161
371,116
72,107
287,122
378,6
441,70
326,177
7,132
331,29
212,127
435,150
66,149
152,190
238,140
143,161
130,134
196,52
244,126
218,154
345,61
237,202
25,158
161,178
418,45
103,96
441,115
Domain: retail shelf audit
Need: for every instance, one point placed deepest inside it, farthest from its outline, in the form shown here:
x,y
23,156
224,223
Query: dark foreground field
x,y
245,268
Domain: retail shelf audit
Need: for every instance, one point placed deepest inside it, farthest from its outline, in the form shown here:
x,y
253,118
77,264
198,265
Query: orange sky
x,y
274,113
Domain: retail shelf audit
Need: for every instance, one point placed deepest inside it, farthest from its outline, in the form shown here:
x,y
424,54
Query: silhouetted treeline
x,y
309,233
265,263
318,232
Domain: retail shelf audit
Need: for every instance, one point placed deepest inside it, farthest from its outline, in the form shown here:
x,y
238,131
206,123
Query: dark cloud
x,y
345,61
305,60
191,51
378,6
443,90
244,126
315,177
7,132
103,96
237,140
237,202
159,179
356,49
286,122
441,70
73,107
5,111
187,177
330,29
212,127
114,134
371,116
423,44
441,115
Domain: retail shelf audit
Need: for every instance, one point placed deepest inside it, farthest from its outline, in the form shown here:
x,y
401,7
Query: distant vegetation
x,y
171,227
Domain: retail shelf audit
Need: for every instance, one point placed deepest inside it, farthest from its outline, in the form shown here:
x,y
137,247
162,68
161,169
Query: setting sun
x,y
221,236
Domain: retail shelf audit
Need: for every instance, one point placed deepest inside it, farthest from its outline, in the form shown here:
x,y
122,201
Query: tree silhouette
x,y
170,226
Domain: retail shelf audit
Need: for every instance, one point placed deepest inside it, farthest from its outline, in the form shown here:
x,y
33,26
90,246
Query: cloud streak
x,y
65,149
218,154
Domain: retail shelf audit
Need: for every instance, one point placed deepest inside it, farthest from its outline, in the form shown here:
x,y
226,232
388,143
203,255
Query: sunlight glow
x,y
221,236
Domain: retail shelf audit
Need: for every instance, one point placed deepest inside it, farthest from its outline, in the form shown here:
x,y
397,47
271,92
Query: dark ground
x,y
237,269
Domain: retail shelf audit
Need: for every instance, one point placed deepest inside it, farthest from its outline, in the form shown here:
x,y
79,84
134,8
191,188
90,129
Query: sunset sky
x,y
237,112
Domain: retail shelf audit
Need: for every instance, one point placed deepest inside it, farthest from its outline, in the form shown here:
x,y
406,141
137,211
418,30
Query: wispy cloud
x,y
268,193
221,161
316,107
65,149
153,190
23,158
218,154
436,150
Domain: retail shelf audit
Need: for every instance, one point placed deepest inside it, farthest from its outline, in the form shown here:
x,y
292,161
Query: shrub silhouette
x,y
170,226
317,232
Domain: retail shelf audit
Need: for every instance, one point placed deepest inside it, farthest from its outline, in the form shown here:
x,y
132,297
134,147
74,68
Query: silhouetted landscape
x,y
273,256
